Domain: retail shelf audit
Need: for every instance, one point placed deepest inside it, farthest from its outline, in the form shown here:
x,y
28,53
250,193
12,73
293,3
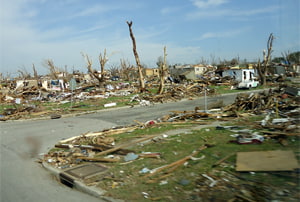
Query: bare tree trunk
x,y
267,57
52,68
261,74
162,73
91,71
125,67
35,74
102,59
263,68
141,77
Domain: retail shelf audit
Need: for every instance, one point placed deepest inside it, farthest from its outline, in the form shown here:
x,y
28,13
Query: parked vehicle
x,y
244,77
248,84
115,78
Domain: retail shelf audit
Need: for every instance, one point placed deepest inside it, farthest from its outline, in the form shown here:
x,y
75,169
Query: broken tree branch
x,y
176,164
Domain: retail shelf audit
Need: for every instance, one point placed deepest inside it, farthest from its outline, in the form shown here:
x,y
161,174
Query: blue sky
x,y
35,30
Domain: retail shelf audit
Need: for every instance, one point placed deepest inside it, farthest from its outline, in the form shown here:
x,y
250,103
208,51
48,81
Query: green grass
x,y
75,106
226,89
138,133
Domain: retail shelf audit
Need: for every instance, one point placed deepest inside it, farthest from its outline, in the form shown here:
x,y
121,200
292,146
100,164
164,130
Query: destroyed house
x,y
187,72
26,83
54,85
148,72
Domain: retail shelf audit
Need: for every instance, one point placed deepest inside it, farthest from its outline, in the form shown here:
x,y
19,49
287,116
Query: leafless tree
x,y
213,59
51,67
35,74
137,59
203,61
103,60
262,68
114,70
234,61
24,74
162,71
94,73
125,69
89,64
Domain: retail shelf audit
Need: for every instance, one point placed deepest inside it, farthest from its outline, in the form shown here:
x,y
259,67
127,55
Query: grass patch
x,y
220,89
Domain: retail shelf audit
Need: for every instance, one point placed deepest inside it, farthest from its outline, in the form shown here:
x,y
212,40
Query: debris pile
x,y
16,99
222,182
179,92
87,147
225,185
92,146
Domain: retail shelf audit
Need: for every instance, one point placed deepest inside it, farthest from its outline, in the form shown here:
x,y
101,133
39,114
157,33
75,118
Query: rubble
x,y
92,146
280,122
279,108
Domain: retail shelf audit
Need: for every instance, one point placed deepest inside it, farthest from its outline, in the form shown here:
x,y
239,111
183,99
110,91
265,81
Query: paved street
x,y
22,179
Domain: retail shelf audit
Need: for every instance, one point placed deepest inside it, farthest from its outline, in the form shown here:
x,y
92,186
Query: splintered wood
x,y
172,166
256,102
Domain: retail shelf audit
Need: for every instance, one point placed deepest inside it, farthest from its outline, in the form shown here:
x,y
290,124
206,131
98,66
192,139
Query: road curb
x,y
91,190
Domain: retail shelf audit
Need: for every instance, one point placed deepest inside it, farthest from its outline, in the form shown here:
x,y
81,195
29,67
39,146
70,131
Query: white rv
x,y
245,77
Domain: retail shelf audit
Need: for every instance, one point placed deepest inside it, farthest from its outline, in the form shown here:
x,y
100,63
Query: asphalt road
x,y
22,179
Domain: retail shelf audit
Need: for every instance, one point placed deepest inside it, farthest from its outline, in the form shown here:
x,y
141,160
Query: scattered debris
x,y
253,138
131,157
280,123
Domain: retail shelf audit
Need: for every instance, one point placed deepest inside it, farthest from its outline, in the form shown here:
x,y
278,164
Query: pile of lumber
x,y
270,100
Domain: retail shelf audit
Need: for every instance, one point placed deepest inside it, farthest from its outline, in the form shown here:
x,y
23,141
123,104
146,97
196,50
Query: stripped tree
x,y
162,71
103,60
52,69
114,70
89,63
262,68
35,74
94,73
141,77
23,74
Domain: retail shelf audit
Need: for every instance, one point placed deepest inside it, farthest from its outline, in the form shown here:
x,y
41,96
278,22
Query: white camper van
x,y
245,77
248,79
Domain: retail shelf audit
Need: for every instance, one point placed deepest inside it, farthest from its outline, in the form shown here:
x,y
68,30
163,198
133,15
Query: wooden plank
x,y
277,133
223,159
266,161
125,145
177,163
97,159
